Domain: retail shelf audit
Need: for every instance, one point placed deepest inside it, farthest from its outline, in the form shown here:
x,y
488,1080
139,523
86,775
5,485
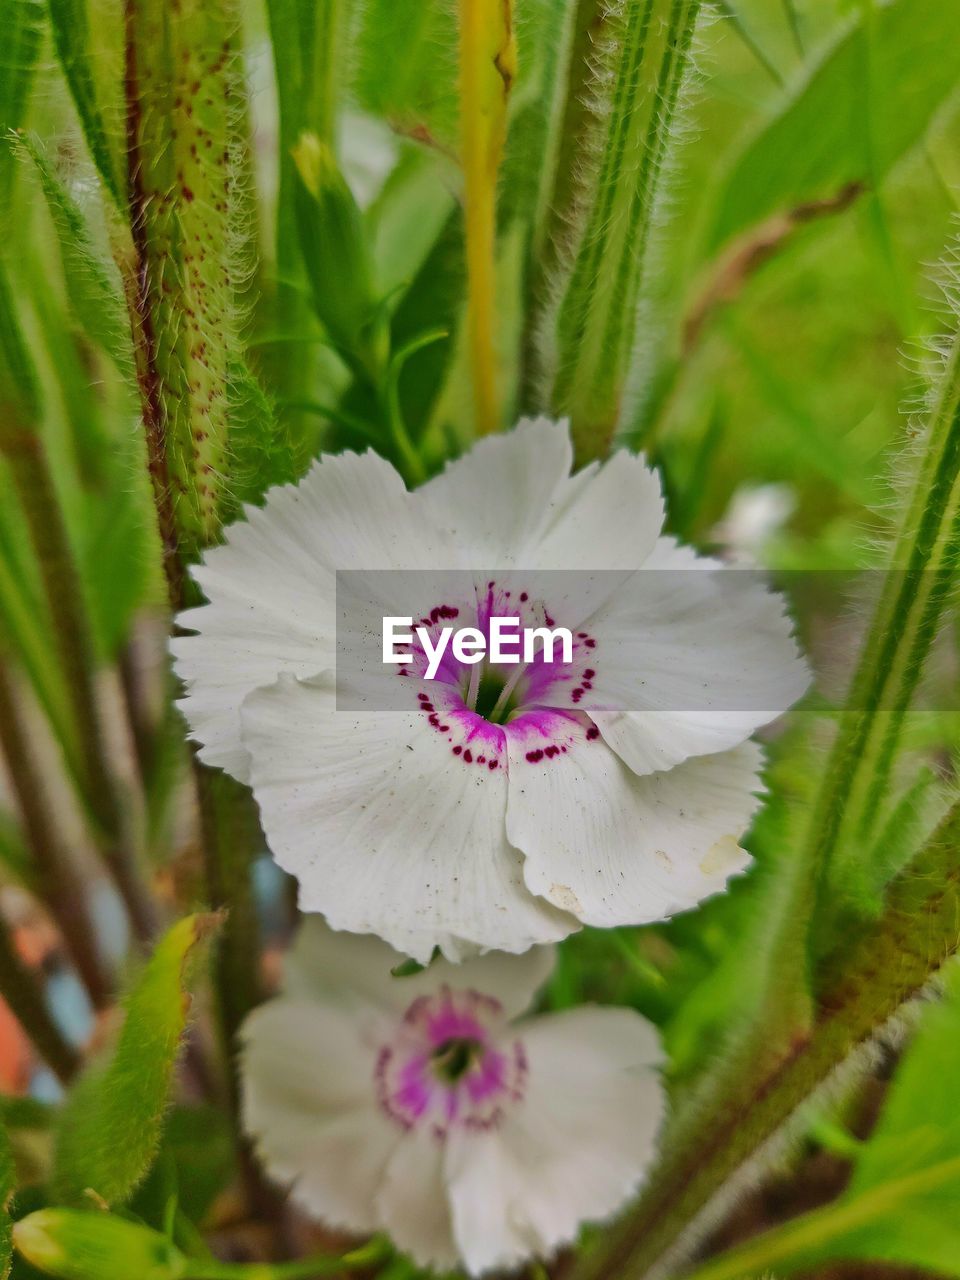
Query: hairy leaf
x,y
93,287
261,451
86,75
110,1128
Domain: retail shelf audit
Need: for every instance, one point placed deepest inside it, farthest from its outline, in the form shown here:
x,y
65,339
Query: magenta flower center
x,y
450,1065
481,707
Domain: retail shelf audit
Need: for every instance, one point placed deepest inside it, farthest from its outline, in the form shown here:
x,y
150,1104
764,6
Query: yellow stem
x,y
487,66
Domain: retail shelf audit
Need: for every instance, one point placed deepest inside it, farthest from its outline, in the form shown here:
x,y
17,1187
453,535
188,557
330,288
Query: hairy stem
x,y
487,68
865,983
645,61
181,86
229,826
551,233
855,781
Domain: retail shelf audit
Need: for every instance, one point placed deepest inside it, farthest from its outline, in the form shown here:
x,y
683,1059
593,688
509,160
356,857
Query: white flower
x,y
421,1107
454,822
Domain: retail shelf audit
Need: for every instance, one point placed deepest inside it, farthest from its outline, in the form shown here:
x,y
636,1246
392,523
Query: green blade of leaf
x,y
94,290
816,142
261,450
109,1130
406,67
21,22
85,76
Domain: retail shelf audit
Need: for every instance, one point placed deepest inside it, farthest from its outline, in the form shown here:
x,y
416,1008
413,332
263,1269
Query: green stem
x,y
182,88
597,313
229,829
914,595
864,984
575,128
323,74
307,65
487,58
57,880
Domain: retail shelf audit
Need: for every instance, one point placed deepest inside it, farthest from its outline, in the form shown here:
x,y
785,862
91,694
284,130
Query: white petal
x,y
309,1105
271,588
344,969
350,968
412,1203
387,831
494,502
613,848
574,1150
690,659
604,518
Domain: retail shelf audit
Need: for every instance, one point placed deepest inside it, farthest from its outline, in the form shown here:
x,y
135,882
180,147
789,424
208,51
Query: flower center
x,y
541,704
497,699
449,1064
455,1057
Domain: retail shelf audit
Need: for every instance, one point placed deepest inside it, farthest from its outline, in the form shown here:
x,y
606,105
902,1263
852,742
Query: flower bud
x,y
335,254
77,1245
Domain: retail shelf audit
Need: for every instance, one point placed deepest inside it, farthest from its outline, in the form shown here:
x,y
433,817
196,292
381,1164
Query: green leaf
x,y
261,450
116,552
335,255
433,298
759,1086
73,1245
918,1129
110,1128
197,1162
824,136
93,287
84,75
405,221
406,67
21,22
